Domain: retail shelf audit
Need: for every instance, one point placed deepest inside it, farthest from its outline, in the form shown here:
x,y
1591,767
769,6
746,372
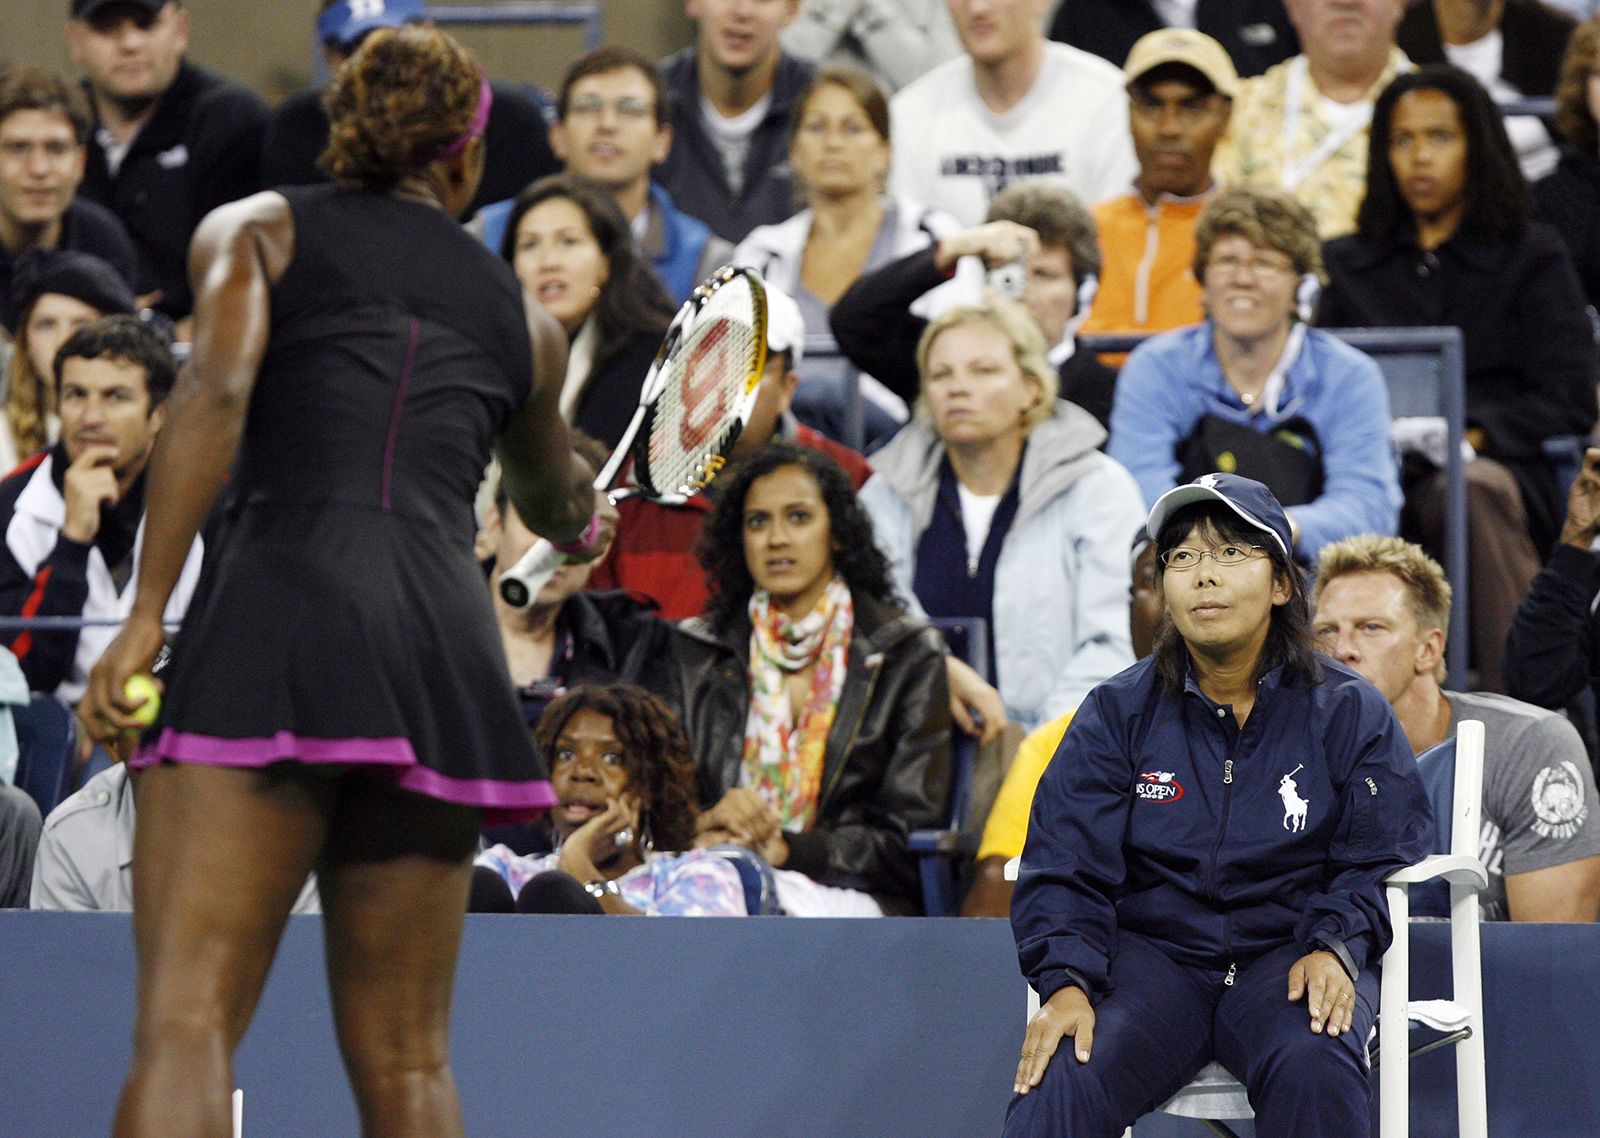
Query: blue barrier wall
x,y
772,1028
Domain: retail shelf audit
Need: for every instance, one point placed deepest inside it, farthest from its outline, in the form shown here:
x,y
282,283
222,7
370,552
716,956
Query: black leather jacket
x,y
886,771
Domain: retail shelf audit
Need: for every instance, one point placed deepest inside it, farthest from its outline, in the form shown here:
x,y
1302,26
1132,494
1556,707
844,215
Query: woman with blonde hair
x,y
995,502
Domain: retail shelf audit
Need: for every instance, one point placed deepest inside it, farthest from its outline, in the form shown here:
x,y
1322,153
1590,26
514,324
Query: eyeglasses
x,y
627,107
1259,264
1184,558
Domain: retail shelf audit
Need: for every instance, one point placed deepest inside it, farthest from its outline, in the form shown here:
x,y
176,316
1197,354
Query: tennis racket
x,y
696,398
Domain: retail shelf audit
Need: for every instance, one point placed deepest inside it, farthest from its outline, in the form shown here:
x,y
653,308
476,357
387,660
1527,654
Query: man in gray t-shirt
x,y
1382,606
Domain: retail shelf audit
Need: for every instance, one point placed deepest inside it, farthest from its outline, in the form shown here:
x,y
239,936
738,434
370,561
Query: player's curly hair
x,y
856,556
655,753
403,97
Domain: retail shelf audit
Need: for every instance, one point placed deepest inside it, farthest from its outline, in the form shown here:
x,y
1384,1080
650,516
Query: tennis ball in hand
x,y
141,686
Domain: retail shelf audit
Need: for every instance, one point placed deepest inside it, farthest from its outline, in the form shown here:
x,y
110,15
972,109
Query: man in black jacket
x,y
172,141
1553,649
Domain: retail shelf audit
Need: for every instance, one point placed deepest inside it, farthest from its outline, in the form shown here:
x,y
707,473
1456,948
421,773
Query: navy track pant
x,y
1160,1022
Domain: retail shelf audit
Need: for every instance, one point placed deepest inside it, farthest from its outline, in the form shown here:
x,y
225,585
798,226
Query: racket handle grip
x,y
520,584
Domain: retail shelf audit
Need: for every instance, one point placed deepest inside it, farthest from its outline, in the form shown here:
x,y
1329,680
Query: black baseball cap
x,y
70,272
83,9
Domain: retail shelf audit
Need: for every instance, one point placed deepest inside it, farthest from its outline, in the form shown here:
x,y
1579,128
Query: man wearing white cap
x,y
1181,85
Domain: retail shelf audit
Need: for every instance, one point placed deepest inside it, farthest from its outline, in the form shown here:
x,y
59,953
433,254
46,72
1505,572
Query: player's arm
x,y
542,477
238,253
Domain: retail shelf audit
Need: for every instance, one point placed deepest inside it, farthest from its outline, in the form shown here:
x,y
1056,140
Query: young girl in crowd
x,y
55,292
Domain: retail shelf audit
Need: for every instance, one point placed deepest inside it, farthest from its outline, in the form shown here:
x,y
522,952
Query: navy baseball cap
x,y
1252,501
349,20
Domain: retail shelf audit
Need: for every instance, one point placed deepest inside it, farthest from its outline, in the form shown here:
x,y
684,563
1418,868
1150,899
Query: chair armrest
x,y
947,843
1458,869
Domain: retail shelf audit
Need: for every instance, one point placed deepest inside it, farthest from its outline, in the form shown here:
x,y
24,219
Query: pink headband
x,y
480,119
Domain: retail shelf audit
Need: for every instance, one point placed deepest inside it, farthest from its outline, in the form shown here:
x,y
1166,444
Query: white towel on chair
x,y
1441,1015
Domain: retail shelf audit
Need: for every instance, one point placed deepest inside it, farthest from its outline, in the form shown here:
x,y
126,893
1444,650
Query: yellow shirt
x,y
1007,827
1255,151
1147,265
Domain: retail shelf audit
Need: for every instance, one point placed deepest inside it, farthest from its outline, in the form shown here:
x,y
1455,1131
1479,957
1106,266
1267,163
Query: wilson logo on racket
x,y
695,400
1158,786
702,377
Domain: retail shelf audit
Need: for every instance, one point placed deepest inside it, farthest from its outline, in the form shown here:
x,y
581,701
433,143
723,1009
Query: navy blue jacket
x,y
1159,816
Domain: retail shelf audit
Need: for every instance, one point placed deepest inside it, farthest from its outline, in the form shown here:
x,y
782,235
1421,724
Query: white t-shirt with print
x,y
953,152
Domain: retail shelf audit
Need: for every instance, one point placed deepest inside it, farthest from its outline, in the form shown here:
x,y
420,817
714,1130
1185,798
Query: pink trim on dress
x,y
502,801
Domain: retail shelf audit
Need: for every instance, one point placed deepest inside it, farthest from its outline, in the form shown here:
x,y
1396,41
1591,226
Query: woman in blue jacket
x,y
1203,873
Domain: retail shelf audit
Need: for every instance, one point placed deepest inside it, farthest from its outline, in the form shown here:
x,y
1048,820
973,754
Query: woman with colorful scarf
x,y
816,707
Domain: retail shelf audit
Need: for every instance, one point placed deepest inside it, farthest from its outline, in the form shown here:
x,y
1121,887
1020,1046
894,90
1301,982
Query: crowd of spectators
x,y
950,195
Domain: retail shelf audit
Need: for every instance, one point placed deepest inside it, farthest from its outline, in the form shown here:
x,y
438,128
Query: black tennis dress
x,y
343,618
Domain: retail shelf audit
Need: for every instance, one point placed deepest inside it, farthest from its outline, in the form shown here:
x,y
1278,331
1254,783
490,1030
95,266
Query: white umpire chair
x,y
1215,1097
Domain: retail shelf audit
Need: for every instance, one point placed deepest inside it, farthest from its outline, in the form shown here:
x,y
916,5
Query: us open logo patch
x,y
1158,786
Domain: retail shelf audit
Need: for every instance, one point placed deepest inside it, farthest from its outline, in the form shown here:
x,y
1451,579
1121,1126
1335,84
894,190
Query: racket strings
x,y
707,378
